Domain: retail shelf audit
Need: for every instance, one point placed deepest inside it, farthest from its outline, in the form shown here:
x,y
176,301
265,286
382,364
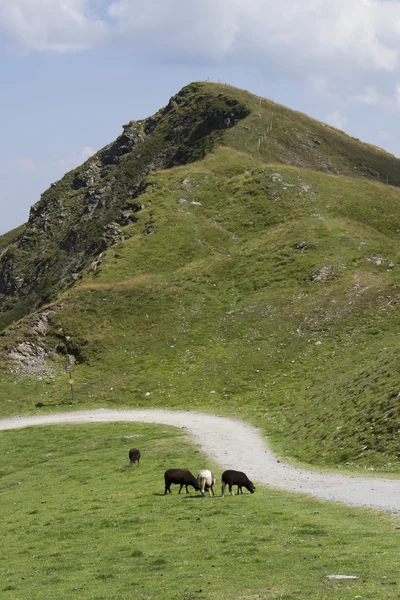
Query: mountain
x,y
227,254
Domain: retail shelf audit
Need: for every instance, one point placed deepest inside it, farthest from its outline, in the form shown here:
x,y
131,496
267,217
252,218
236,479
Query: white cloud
x,y
369,96
50,25
179,28
336,119
373,97
361,33
332,45
76,158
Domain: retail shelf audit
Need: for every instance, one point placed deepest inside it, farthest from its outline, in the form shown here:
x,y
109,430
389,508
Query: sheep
x,y
134,456
181,477
206,481
238,478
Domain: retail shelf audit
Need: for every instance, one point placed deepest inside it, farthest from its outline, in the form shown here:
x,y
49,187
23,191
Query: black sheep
x,y
238,478
181,477
134,456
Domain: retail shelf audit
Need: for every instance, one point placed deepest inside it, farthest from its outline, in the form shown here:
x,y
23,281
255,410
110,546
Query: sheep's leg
x,y
187,491
167,488
223,488
230,489
180,489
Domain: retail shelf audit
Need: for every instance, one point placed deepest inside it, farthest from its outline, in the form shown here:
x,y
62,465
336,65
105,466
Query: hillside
x,y
228,255
81,215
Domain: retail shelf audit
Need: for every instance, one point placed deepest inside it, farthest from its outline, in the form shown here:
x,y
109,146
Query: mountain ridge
x,y
91,190
93,187
255,274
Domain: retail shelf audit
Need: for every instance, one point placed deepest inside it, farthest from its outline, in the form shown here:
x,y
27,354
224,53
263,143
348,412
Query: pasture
x,y
79,522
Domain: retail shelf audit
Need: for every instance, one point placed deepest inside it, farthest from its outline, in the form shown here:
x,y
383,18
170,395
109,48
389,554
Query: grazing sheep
x,y
134,456
181,477
206,481
238,478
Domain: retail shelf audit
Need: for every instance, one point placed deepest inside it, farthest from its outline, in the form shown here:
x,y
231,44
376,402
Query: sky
x,y
72,72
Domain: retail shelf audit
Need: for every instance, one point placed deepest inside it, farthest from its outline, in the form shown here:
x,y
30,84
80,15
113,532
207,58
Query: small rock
x,y
187,184
376,260
302,245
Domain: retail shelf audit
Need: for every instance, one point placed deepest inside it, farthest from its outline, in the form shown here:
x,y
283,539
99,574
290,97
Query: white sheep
x,y
206,481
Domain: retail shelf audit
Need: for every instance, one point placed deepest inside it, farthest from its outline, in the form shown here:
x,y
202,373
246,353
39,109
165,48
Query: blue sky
x,y
73,72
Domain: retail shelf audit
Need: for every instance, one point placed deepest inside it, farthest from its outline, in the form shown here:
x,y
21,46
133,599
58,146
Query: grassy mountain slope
x,y
268,291
81,215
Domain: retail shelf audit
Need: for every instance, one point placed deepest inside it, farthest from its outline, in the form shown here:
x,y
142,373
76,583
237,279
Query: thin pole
x,y
71,383
69,367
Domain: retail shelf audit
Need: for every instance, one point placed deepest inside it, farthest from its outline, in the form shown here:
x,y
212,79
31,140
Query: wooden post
x,y
69,368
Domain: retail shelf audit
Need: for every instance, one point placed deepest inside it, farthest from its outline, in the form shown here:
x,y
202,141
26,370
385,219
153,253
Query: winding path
x,y
235,445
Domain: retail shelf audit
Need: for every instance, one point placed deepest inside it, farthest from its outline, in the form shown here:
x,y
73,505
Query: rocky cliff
x,y
81,215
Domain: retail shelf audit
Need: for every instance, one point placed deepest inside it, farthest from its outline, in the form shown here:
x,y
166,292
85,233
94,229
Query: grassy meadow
x,y
79,522
247,290
256,277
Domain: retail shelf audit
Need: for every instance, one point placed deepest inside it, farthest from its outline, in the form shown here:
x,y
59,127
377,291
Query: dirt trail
x,y
235,445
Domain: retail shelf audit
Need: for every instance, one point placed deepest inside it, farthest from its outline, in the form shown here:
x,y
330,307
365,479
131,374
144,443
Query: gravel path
x,y
235,445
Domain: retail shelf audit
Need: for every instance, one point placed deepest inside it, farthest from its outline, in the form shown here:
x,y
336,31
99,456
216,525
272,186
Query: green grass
x,y
77,521
211,299
70,224
9,238
220,297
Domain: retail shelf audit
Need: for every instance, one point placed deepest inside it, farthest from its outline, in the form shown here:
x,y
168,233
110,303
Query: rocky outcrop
x,y
30,357
79,216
